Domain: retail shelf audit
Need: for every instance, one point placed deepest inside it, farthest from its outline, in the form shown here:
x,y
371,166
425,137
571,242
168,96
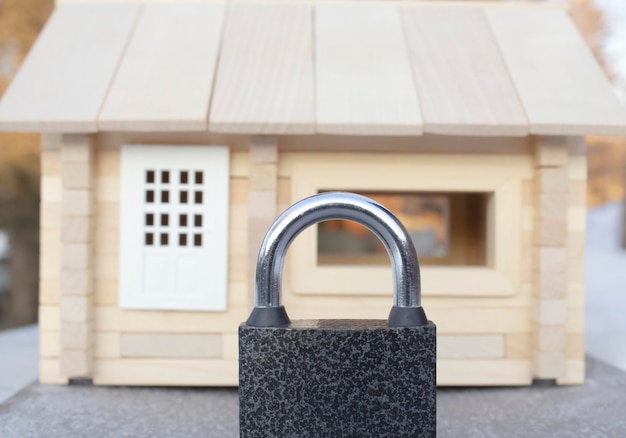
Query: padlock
x,y
337,378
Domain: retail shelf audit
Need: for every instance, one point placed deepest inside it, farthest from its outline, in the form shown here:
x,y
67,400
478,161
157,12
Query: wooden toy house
x,y
174,133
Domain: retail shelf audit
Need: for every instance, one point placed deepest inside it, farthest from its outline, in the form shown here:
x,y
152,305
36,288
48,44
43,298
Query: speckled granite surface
x,y
595,409
337,378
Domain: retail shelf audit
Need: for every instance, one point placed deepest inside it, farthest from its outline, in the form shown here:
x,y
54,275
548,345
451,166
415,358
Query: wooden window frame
x,y
498,176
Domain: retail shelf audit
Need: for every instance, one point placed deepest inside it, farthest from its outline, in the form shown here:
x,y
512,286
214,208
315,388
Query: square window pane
x,y
184,177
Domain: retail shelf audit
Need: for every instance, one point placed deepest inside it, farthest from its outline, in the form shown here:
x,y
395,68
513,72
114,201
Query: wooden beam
x,y
363,77
264,81
443,42
65,78
165,79
561,86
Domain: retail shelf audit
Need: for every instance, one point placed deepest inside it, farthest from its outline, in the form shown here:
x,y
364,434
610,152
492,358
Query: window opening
x,y
446,228
197,240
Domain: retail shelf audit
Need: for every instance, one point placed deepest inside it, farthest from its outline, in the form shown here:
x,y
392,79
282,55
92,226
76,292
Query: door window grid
x,y
161,209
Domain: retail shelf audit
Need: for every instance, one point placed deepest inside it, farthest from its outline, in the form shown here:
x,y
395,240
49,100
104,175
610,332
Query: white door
x,y
174,227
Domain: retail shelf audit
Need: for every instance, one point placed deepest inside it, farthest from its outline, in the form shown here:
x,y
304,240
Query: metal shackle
x,y
406,311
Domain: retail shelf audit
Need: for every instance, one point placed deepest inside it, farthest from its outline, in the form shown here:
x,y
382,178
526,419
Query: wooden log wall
x,y
496,340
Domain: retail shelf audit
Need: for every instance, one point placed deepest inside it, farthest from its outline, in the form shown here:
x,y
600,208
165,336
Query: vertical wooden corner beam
x,y
77,249
550,273
262,199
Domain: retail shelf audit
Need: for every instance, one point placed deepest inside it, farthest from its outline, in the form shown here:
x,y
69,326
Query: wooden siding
x,y
483,340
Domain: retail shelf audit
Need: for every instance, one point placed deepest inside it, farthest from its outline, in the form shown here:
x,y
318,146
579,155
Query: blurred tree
x,y
20,23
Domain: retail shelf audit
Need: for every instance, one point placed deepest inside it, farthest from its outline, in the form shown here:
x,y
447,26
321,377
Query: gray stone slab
x,y
596,409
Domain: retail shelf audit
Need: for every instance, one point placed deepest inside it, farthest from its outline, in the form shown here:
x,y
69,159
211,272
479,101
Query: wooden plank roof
x,y
356,68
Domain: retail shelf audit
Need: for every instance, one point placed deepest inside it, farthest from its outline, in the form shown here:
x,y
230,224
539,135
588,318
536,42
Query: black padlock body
x,y
337,378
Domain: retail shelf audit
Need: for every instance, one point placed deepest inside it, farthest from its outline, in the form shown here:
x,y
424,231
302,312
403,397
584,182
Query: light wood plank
x,y
77,202
550,338
548,364
483,372
264,81
165,78
76,335
562,88
49,292
470,347
76,309
550,285
77,229
166,372
551,227
550,151
107,345
77,363
230,343
76,282
574,373
463,85
169,345
576,219
551,259
362,74
51,189
50,372
49,318
49,344
518,346
64,80
552,180
551,312
113,319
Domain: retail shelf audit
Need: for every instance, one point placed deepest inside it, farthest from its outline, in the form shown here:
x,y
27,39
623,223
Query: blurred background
x,y
603,25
